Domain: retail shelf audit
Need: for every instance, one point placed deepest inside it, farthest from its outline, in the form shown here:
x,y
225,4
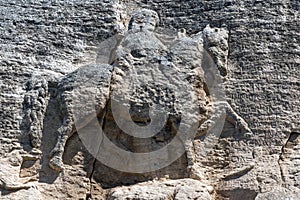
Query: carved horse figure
x,y
142,21
136,48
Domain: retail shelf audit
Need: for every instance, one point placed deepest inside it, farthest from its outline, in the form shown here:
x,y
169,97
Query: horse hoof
x,y
36,151
56,164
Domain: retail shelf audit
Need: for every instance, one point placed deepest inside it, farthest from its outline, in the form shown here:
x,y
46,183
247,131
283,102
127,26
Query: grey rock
x,y
163,189
254,44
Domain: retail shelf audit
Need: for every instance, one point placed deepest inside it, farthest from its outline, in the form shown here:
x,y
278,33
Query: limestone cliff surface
x,y
52,50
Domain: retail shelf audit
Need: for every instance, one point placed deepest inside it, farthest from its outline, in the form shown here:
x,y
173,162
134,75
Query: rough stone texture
x,y
162,189
51,39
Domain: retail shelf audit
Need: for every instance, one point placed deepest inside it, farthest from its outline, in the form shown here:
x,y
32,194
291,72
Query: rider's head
x,y
144,19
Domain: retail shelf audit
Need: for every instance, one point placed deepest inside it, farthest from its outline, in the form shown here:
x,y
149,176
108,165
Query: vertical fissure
x,y
103,123
281,158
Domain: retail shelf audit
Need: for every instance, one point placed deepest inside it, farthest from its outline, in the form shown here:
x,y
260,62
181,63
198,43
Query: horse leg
x,y
65,131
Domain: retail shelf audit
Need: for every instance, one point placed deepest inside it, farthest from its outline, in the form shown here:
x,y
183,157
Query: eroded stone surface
x,y
262,86
163,189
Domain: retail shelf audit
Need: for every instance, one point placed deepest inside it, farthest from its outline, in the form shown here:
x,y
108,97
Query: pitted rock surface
x,y
254,44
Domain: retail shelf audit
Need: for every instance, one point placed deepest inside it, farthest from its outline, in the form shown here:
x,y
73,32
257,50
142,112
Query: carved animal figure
x,y
142,21
35,105
140,58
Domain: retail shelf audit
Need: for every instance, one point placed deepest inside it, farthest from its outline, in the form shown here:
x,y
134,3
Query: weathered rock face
x,y
171,189
166,49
